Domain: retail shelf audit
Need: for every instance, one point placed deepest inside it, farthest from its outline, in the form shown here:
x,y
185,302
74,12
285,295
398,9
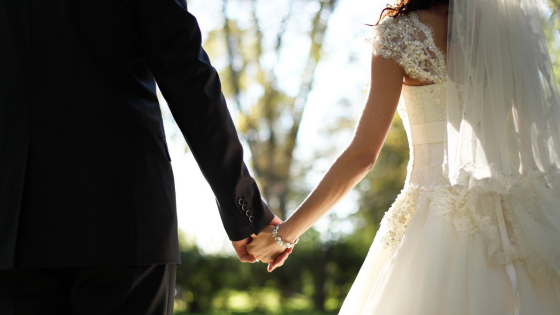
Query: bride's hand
x,y
265,248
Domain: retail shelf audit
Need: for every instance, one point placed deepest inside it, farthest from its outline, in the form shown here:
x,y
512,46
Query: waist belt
x,y
432,132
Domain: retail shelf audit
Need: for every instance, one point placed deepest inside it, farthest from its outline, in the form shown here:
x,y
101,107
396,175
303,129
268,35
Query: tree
x,y
270,121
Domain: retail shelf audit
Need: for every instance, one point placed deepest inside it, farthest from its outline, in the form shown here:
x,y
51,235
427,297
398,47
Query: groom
x,y
87,202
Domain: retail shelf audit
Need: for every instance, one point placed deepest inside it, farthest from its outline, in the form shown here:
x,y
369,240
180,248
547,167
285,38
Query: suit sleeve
x,y
171,41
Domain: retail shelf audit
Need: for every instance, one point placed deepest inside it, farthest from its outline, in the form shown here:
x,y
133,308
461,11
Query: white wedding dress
x,y
430,255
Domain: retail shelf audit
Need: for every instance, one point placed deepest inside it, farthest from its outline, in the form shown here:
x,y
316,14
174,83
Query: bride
x,y
476,229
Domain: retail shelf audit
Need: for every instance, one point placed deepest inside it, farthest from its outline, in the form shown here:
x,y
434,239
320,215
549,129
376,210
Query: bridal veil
x,y
503,127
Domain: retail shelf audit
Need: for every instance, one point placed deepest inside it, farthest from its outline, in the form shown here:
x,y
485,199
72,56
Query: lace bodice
x,y
422,108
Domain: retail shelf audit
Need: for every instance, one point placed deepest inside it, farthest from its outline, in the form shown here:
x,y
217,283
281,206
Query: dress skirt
x,y
437,269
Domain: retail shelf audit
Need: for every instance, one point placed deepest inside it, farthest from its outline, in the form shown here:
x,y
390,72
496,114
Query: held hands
x,y
240,248
265,248
274,257
241,245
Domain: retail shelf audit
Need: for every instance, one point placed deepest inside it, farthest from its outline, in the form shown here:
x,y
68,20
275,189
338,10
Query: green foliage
x,y
222,284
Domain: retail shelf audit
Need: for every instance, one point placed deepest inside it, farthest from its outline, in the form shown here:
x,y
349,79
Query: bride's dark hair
x,y
405,6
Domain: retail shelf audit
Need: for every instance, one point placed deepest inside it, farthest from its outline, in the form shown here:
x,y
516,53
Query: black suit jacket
x,y
85,175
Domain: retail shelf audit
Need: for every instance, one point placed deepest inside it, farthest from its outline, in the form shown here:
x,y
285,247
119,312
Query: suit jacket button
x,y
251,219
241,201
248,213
244,208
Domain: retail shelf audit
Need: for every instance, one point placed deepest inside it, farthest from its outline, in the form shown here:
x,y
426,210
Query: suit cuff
x,y
256,219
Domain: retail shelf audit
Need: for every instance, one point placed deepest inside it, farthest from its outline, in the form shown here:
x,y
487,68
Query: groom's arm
x,y
172,44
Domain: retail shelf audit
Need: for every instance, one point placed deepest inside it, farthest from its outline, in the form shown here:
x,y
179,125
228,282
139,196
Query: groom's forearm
x,y
203,117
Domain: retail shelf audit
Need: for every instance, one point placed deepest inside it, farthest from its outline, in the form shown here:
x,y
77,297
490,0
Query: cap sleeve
x,y
385,40
410,44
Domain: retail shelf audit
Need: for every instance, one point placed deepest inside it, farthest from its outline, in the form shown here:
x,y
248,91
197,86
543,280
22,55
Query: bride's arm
x,y
351,166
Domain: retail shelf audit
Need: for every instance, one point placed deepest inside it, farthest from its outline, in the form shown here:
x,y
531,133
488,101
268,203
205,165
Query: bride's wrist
x,y
287,232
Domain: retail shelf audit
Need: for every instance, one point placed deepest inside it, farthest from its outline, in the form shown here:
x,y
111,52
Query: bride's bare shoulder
x,y
437,21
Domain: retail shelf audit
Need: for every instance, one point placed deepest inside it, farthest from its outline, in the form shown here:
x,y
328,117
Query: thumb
x,y
240,248
279,261
247,258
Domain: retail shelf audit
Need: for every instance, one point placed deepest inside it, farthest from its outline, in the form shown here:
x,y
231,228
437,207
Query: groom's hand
x,y
241,250
241,245
265,248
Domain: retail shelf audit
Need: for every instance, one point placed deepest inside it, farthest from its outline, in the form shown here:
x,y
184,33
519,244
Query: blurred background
x,y
295,75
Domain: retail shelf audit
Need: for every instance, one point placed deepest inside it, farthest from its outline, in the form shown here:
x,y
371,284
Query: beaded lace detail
x,y
410,43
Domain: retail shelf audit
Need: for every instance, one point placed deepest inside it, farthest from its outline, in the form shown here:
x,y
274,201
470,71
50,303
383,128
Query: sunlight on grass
x,y
179,306
263,301
299,302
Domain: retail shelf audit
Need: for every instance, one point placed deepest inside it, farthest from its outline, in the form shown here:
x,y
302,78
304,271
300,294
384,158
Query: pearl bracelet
x,y
279,239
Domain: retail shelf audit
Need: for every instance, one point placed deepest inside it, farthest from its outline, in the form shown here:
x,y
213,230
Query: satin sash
x,y
432,132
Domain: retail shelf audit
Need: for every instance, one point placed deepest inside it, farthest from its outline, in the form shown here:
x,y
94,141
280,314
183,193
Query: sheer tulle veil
x,y
503,126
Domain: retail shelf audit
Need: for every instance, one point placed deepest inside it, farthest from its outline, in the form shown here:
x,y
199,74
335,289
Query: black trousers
x,y
142,290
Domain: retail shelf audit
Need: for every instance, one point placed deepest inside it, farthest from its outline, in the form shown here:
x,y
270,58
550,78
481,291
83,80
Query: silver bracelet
x,y
279,239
